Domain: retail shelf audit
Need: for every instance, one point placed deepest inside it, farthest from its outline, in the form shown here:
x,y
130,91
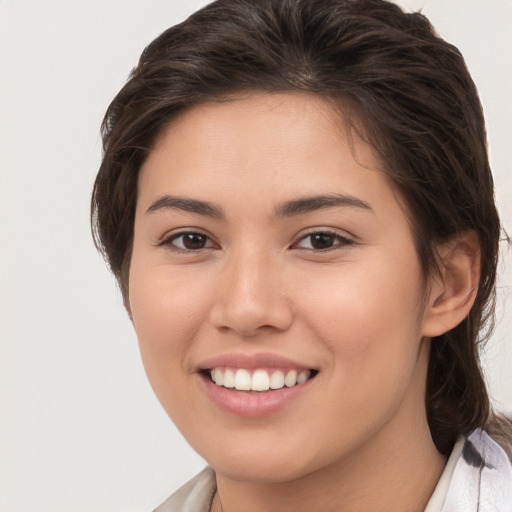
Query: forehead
x,y
233,122
272,146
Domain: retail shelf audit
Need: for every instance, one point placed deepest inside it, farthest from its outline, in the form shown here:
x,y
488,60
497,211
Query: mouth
x,y
258,385
259,380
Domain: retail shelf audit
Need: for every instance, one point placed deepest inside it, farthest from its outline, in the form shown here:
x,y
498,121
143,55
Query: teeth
x,y
218,376
303,376
242,380
290,379
229,378
277,380
261,380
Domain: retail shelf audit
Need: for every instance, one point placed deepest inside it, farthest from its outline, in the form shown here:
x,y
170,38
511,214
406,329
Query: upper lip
x,y
252,361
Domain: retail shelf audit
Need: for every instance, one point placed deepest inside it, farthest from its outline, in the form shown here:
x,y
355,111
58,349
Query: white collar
x,y
482,478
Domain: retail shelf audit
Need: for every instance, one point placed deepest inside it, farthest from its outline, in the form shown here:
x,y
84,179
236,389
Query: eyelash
x,y
169,242
339,241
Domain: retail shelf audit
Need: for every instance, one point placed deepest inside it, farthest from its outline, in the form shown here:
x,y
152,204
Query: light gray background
x,y
80,429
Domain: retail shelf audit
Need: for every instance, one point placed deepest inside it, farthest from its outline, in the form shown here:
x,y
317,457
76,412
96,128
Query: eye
x,y
322,241
188,241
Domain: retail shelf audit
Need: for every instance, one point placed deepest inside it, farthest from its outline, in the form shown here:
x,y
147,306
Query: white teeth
x,y
242,380
290,379
303,376
218,376
261,379
277,380
229,379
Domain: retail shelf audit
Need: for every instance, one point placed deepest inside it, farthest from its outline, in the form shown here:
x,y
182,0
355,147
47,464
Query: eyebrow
x,y
309,204
186,204
291,208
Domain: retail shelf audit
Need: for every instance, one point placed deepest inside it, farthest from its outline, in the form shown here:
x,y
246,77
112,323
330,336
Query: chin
x,y
262,461
261,470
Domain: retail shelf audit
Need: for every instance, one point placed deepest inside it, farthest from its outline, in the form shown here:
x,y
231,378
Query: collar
x,y
482,478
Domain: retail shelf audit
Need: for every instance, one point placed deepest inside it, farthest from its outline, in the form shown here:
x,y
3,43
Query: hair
x,y
405,90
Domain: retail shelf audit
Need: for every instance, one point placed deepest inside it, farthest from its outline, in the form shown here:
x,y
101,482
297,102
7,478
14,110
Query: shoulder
x,y
195,496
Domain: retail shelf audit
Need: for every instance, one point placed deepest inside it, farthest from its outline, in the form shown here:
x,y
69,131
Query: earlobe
x,y
453,293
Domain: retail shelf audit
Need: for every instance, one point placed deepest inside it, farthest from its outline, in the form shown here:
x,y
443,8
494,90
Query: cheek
x,y
367,311
167,311
368,321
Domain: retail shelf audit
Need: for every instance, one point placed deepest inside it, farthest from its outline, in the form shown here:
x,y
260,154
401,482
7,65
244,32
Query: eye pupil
x,y
194,241
322,240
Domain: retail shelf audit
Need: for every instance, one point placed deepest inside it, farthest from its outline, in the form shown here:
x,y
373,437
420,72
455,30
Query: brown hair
x,y
409,94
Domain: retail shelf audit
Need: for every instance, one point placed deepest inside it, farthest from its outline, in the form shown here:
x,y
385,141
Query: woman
x,y
296,200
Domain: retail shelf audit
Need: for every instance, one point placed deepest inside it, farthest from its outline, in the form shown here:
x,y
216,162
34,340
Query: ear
x,y
452,295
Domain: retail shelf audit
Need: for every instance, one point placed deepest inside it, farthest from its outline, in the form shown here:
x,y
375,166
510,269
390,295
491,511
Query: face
x,y
272,253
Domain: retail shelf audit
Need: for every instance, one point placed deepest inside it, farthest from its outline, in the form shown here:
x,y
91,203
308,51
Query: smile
x,y
255,385
261,379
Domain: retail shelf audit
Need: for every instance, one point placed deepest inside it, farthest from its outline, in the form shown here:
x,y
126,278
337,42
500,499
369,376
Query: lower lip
x,y
253,404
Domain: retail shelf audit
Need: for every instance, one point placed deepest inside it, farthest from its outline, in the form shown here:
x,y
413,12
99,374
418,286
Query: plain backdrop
x,y
80,429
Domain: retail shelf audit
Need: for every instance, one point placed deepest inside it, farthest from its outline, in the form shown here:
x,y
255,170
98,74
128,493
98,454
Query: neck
x,y
388,474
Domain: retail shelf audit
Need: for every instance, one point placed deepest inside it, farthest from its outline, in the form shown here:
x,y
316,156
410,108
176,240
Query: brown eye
x,y
322,241
189,241
194,241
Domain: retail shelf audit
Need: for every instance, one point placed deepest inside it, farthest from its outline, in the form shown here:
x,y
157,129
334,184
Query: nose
x,y
251,296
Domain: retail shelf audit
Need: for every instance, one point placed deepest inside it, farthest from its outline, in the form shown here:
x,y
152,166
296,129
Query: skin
x,y
359,311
